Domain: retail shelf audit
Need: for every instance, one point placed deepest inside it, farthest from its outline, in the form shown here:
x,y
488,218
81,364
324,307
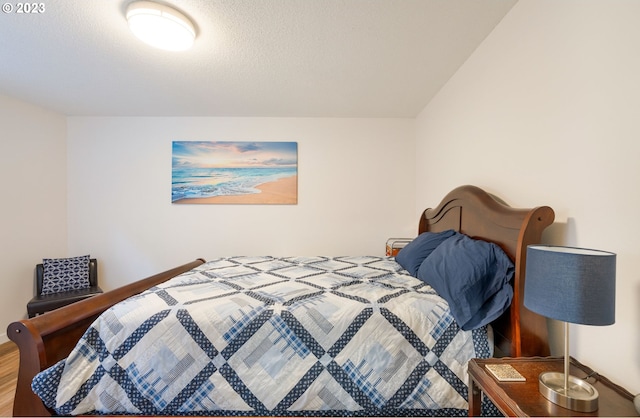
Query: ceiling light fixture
x,y
160,26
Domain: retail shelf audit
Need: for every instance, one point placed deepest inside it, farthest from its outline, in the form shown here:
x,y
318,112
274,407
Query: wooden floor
x,y
8,377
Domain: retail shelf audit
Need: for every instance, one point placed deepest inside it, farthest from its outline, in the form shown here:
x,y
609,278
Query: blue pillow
x,y
413,254
472,276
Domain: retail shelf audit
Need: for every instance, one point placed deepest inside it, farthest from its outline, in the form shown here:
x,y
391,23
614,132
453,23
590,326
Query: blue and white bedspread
x,y
293,336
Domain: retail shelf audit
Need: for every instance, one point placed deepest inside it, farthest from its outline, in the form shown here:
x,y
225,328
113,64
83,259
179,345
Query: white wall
x,y
355,189
34,194
546,112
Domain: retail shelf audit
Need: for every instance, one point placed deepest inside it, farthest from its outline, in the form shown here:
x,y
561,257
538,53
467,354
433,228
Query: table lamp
x,y
573,285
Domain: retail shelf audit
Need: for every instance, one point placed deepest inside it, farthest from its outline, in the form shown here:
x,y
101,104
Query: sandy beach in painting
x,y
283,191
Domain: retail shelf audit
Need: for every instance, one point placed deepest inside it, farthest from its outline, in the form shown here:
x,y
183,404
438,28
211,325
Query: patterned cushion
x,y
62,274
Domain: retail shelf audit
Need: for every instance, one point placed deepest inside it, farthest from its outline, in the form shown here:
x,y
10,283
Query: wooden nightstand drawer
x,y
524,398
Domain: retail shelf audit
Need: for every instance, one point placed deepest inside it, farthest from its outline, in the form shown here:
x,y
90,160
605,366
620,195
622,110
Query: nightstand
x,y
523,399
394,245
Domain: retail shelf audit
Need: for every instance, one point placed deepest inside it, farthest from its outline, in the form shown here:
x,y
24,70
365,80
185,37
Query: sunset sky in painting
x,y
207,154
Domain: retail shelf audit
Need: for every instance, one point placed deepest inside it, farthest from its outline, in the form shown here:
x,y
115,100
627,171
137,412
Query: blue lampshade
x,y
574,285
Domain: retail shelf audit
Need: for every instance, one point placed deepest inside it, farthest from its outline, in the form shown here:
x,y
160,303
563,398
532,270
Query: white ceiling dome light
x,y
160,26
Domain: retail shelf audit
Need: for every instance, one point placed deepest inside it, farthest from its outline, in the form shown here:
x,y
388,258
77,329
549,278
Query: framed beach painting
x,y
218,172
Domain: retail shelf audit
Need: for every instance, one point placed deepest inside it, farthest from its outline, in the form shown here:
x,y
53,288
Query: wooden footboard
x,y
47,339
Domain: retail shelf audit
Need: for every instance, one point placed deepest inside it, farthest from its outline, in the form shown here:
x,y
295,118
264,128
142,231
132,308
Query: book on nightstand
x,y
505,373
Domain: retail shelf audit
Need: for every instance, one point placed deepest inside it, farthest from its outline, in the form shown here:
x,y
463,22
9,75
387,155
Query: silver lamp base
x,y
580,396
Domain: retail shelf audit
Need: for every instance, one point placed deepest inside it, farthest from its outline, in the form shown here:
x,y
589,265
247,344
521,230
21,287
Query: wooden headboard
x,y
472,211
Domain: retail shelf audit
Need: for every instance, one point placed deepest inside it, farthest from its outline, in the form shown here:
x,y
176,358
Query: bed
x,y
417,366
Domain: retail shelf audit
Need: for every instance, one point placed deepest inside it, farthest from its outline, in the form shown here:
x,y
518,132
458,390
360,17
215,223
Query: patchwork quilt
x,y
244,336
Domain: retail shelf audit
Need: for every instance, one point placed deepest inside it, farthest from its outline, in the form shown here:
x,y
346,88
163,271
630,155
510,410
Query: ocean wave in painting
x,y
198,182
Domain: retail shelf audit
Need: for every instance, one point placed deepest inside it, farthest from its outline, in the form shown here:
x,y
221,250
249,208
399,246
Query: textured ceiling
x,y
292,58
